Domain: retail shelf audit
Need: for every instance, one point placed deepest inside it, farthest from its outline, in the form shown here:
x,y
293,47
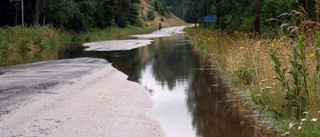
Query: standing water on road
x,y
189,98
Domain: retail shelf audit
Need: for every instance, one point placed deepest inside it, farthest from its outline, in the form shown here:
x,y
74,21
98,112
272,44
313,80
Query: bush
x,y
160,7
245,74
151,15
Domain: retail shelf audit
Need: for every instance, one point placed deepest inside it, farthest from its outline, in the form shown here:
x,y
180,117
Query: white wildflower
x,y
303,119
314,119
299,127
245,104
267,87
291,124
264,80
305,112
285,134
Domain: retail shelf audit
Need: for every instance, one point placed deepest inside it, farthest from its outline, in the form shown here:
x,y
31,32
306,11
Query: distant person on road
x,y
160,25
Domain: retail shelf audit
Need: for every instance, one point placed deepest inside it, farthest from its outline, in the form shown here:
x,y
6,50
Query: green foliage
x,y
160,7
295,87
307,129
177,7
31,44
81,15
134,15
271,11
235,15
151,15
75,15
105,13
3,43
245,74
43,43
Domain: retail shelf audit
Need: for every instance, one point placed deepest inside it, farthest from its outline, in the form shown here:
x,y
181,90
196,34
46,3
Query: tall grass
x,y
281,74
19,46
33,44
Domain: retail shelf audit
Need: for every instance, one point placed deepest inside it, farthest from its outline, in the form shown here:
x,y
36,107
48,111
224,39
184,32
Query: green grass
x,y
34,44
113,33
29,45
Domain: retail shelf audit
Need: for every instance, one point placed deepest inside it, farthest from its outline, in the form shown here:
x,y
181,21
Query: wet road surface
x,y
76,97
72,98
178,94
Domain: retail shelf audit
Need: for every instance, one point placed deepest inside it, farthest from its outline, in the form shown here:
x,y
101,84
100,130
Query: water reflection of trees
x,y
130,65
173,63
213,117
128,62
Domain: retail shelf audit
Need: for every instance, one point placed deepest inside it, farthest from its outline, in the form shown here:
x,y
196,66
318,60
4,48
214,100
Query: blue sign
x,y
209,19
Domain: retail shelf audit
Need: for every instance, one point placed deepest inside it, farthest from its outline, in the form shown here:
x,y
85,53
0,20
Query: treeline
x,y
249,16
160,6
77,15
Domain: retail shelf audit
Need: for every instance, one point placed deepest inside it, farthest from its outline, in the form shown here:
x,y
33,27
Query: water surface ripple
x,y
189,100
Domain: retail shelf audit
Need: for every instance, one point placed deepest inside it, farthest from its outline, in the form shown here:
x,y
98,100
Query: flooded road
x,y
188,95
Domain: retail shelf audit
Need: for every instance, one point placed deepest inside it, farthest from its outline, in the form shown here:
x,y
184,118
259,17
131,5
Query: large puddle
x,y
189,98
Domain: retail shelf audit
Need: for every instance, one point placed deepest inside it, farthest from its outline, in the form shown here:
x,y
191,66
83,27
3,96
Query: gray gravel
x,y
84,97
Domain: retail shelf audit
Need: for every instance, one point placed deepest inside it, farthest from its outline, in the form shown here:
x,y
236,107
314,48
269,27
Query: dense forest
x,y
72,14
255,15
80,15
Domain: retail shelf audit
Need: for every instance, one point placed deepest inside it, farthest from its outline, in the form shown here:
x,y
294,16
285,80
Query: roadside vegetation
x,y
48,31
271,54
280,72
34,44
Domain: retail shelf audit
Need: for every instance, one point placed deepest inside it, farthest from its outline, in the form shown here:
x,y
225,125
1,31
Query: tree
x,y
36,13
257,16
105,13
82,18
